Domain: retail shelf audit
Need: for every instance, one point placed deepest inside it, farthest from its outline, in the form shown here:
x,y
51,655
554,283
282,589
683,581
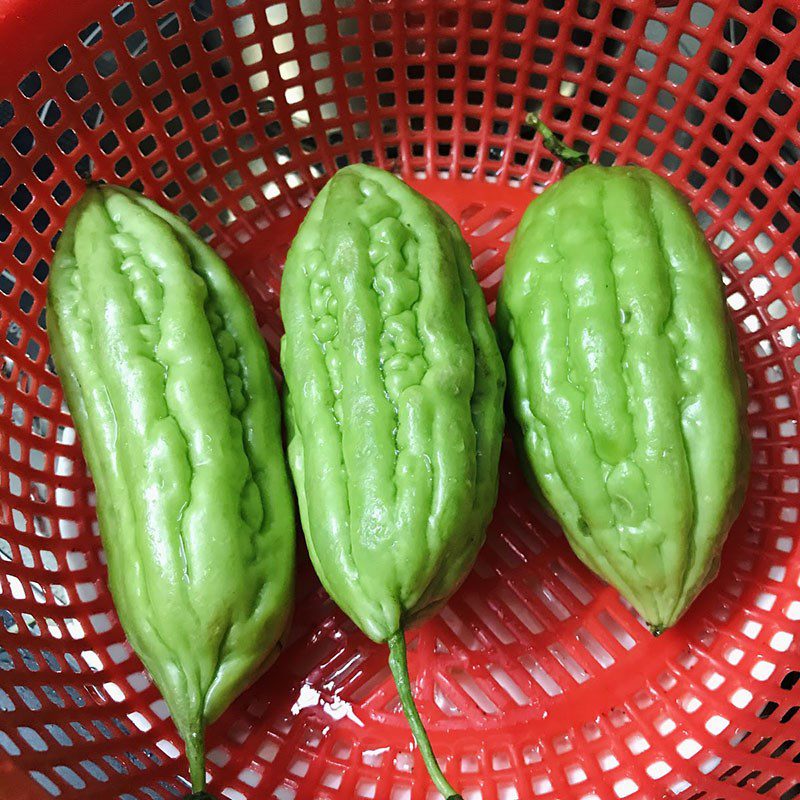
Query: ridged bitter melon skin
x,y
394,387
170,388
394,408
626,390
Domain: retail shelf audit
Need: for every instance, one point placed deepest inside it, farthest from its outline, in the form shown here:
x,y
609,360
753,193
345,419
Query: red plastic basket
x,y
536,680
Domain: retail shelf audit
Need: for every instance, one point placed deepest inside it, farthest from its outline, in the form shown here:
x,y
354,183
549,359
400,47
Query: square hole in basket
x,y
211,40
30,84
252,54
76,87
169,25
59,58
23,141
180,56
150,73
162,101
121,94
49,113
244,26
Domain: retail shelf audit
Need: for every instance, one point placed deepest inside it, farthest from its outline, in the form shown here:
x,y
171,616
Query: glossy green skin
x,y
170,387
394,398
625,382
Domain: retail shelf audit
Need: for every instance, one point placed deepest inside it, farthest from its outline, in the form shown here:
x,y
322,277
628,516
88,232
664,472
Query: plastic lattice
x,y
537,680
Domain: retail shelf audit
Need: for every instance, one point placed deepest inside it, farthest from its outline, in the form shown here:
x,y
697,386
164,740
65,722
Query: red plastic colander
x,y
536,680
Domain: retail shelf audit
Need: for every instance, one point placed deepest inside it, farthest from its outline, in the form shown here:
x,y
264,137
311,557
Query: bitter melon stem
x,y
196,755
563,152
398,663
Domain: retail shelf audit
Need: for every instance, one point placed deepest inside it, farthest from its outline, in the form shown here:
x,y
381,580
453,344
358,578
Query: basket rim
x,y
25,42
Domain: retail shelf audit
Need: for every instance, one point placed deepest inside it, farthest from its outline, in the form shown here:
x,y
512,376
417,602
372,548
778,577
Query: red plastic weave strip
x,y
537,680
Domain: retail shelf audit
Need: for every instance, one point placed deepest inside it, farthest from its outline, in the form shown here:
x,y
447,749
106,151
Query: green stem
x,y
563,152
196,755
398,663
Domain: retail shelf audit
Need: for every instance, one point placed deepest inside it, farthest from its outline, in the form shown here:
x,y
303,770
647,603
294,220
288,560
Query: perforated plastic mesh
x,y
536,679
